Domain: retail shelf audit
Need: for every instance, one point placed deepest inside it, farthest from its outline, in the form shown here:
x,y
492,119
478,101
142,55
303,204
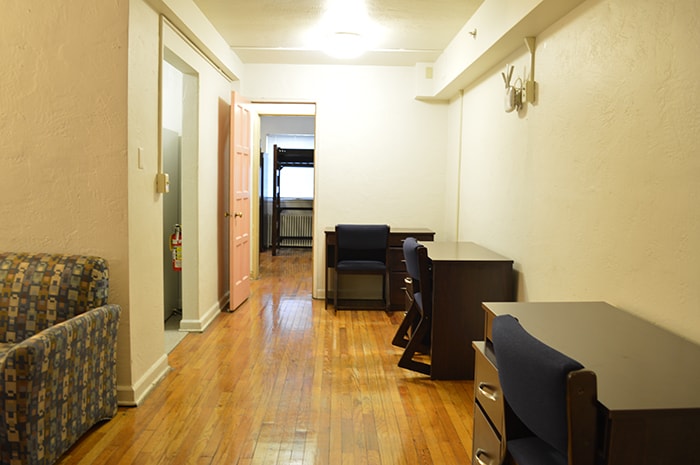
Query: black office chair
x,y
413,310
361,249
550,399
414,331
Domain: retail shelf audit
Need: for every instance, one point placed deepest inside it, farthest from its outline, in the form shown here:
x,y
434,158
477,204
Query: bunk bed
x,y
300,158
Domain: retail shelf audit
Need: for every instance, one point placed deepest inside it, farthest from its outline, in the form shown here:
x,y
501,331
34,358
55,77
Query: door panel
x,y
239,219
224,205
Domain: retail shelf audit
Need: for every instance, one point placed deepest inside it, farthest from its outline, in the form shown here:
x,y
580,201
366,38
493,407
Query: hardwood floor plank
x,y
283,381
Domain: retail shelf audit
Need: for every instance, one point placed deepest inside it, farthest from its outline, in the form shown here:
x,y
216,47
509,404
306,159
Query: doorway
x,y
288,125
291,225
179,128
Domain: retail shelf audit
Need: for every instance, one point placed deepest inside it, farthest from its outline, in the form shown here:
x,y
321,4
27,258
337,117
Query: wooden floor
x,y
282,381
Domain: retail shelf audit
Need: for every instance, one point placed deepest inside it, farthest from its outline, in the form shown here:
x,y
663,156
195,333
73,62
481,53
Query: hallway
x,y
282,381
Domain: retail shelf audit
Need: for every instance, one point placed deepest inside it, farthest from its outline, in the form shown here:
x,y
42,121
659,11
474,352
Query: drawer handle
x,y
488,391
479,453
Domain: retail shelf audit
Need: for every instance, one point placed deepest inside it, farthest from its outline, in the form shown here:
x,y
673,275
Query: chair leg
x,y
325,295
415,345
384,297
402,337
351,304
335,292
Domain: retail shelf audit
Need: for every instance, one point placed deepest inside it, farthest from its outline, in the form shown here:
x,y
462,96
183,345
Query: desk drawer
x,y
488,326
397,290
487,388
486,449
396,260
396,239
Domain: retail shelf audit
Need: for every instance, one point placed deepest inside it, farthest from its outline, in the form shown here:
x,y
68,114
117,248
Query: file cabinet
x,y
488,447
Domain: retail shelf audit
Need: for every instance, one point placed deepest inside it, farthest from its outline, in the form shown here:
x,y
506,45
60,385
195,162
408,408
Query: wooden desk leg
x,y
325,295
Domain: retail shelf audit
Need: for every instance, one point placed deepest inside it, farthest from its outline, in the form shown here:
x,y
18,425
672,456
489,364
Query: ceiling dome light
x,y
345,30
345,45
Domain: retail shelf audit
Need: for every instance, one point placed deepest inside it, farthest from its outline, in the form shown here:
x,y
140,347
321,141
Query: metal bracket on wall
x,y
529,92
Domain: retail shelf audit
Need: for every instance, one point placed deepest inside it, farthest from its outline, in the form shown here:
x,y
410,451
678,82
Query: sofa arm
x,y
56,385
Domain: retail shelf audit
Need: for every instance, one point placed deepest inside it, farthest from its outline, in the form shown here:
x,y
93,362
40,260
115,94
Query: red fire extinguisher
x,y
176,247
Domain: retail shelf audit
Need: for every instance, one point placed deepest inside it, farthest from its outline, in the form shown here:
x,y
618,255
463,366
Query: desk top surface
x,y
638,365
461,252
392,230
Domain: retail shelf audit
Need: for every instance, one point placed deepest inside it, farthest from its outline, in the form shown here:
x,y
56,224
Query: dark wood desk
x,y
648,378
464,275
397,265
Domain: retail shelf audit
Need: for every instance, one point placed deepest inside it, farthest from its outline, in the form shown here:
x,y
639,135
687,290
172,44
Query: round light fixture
x,y
345,45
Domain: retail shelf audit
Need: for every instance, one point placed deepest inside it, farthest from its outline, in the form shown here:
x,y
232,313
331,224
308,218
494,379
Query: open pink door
x,y
239,217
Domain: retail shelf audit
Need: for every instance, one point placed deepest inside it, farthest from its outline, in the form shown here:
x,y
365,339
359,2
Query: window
x,y
296,183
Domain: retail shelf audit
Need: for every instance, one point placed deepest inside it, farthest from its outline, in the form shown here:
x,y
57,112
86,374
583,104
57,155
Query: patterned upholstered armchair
x,y
57,353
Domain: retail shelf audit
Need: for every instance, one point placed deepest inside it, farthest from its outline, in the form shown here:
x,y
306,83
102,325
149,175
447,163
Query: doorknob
x,y
238,215
227,214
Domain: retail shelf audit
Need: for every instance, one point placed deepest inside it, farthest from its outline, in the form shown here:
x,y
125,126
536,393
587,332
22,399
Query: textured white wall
x,y
200,292
379,152
62,129
593,191
76,104
200,189
172,97
63,126
148,360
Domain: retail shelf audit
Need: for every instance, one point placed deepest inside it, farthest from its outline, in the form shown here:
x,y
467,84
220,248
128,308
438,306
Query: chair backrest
x,y
537,384
39,290
368,242
410,255
425,273
419,268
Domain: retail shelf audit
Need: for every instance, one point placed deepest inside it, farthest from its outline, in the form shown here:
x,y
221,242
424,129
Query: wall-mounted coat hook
x,y
473,33
529,94
512,99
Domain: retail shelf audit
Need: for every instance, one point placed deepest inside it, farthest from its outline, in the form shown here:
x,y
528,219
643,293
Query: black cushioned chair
x,y
361,249
550,400
414,332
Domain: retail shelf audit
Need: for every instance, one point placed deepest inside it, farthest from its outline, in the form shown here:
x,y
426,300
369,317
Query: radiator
x,y
296,223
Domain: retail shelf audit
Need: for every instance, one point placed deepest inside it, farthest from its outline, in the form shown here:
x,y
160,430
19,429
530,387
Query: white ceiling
x,y
276,31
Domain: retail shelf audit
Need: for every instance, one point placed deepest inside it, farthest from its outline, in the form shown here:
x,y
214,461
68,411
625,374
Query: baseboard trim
x,y
224,301
132,396
198,326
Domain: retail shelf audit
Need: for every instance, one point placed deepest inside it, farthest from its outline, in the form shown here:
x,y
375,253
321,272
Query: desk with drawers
x,y
397,265
465,274
648,381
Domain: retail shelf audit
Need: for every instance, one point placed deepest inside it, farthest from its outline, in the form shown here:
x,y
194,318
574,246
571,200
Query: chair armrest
x,y
57,384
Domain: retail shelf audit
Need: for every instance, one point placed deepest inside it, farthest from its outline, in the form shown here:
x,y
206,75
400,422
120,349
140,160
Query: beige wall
x,y
200,189
590,190
63,127
77,105
199,159
380,154
593,191
148,361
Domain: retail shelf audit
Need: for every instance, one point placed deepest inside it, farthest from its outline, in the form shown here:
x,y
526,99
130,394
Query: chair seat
x,y
534,451
360,265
